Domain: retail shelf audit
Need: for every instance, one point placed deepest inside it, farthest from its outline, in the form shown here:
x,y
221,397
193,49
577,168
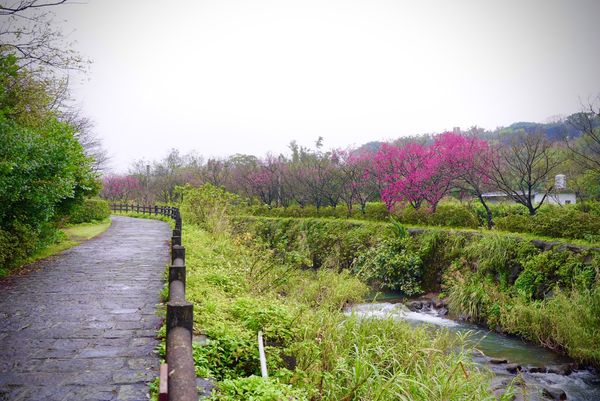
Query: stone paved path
x,y
82,325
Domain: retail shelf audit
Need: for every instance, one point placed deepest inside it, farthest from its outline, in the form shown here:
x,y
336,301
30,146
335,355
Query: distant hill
x,y
555,131
370,147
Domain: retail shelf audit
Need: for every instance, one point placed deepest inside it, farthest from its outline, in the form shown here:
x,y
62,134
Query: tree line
x,y
417,171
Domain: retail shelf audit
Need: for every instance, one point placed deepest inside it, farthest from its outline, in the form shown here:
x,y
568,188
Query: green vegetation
x,y
241,283
86,231
140,215
499,280
88,211
44,172
64,239
552,297
580,221
392,264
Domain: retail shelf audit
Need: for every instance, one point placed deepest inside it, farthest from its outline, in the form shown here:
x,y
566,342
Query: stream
x,y
545,375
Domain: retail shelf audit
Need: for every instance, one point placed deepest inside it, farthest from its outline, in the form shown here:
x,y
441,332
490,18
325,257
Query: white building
x,y
560,194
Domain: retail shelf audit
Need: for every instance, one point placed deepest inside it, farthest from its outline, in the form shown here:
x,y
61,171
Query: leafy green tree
x,y
44,171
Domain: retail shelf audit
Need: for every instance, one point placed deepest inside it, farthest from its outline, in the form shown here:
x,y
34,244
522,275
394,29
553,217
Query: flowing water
x,y
490,347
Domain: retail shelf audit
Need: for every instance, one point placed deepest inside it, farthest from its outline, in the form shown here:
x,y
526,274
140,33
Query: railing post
x,y
180,314
177,272
177,252
176,238
182,375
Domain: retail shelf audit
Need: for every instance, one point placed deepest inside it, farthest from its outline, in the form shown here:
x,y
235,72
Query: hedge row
x,y
581,221
89,211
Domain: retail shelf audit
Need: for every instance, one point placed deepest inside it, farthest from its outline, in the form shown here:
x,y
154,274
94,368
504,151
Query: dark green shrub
x,y
454,215
498,257
391,264
8,245
514,223
546,270
411,216
225,356
437,249
554,221
255,388
446,214
90,210
591,207
317,242
43,173
565,222
375,211
505,209
272,318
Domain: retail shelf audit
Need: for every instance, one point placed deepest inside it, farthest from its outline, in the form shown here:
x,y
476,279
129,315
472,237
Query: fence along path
x,y
82,324
178,375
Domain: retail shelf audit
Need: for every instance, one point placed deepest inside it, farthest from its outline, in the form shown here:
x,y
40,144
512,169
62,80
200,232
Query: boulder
x,y
554,393
513,368
415,305
438,303
564,370
497,361
537,369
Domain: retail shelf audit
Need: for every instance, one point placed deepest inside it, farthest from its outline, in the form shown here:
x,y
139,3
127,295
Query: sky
x,y
221,77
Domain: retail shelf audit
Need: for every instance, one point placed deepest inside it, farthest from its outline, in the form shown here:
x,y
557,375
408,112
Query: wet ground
x,y
81,325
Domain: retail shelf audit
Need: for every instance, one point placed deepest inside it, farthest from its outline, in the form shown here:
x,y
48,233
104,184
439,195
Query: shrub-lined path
x,y
82,325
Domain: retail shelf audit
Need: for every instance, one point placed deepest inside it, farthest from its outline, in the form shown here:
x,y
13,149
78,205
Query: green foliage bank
x,y
245,275
580,221
551,297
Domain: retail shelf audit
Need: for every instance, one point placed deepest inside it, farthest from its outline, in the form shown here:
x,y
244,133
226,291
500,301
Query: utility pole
x,y
147,183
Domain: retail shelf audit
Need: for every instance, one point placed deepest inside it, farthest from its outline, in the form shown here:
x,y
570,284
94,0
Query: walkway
x,y
81,326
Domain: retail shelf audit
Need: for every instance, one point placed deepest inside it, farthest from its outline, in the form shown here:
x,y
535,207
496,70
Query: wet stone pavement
x,y
82,324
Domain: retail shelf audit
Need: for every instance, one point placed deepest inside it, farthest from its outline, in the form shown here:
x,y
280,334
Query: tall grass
x,y
239,288
568,322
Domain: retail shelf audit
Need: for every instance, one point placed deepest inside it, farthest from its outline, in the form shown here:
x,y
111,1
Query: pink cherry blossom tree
x,y
121,187
414,174
467,159
265,180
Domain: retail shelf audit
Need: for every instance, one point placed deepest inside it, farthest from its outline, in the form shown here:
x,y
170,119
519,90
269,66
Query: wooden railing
x,y
177,376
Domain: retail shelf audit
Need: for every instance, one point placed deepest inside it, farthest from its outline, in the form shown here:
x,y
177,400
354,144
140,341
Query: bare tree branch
x,y
523,167
20,6
586,149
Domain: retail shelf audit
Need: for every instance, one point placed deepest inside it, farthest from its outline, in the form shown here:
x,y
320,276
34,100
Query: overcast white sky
x,y
226,76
